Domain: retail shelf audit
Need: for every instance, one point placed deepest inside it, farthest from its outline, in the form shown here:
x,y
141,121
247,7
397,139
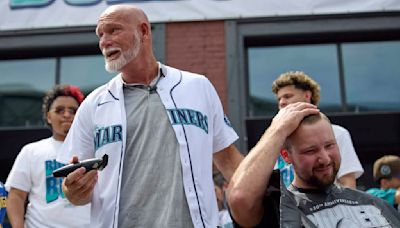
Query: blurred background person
x,y
31,176
387,174
3,204
296,86
220,185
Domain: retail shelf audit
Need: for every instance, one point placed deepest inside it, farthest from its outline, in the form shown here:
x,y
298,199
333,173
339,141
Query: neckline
x,y
313,190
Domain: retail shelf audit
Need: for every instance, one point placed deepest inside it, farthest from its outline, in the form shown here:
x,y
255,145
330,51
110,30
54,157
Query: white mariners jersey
x,y
201,128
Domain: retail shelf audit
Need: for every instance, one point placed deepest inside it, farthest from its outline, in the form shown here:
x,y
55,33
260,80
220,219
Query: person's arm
x,y
16,207
249,182
78,186
227,160
397,197
348,180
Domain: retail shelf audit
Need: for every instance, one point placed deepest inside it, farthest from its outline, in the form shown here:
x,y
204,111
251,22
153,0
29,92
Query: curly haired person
x,y
31,175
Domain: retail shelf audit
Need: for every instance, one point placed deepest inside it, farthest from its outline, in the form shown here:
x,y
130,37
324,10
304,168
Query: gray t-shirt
x,y
335,207
152,193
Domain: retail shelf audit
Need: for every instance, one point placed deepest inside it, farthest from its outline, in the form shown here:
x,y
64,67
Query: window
x,y
25,81
87,72
267,63
370,75
22,85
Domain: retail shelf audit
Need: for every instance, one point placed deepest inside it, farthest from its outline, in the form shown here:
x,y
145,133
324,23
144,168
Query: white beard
x,y
127,56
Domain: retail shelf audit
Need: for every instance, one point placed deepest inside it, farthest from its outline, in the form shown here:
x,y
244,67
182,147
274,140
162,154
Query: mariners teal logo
x,y
106,135
188,117
53,185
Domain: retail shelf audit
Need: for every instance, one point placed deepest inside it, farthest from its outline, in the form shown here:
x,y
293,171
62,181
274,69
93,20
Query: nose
x,y
68,114
282,103
105,41
324,157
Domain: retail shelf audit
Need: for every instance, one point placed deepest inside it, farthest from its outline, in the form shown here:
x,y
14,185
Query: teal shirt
x,y
286,171
385,194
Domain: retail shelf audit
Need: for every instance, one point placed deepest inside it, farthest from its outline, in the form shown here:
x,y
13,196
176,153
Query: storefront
x,y
352,48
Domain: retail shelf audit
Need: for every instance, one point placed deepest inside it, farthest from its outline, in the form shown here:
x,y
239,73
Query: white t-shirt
x,y
349,160
32,173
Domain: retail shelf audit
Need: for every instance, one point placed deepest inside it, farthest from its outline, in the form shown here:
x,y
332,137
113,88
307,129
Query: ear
x,y
48,118
145,30
308,95
285,155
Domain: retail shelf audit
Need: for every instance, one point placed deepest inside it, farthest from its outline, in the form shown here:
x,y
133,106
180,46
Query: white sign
x,y
35,14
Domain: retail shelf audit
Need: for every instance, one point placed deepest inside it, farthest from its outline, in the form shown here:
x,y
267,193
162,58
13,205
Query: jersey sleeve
x,y
79,140
20,175
349,162
224,135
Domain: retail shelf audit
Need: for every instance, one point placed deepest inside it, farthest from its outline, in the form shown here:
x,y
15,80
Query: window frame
x,y
309,29
62,42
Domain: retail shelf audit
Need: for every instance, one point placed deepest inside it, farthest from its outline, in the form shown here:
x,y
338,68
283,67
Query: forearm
x,y
397,197
16,211
227,161
249,182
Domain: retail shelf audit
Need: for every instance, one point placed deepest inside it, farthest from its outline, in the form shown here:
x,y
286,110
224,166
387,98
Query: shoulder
x,y
339,130
381,192
195,78
98,92
374,190
359,194
342,135
37,144
101,94
186,75
33,148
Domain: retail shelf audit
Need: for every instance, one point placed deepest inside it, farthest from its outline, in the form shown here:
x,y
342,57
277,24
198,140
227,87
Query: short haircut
x,y
300,81
57,91
308,120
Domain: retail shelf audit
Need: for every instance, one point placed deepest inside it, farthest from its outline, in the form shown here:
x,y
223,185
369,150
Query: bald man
x,y
162,129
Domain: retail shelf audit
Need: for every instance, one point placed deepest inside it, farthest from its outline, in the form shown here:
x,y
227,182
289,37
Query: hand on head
x,y
288,119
